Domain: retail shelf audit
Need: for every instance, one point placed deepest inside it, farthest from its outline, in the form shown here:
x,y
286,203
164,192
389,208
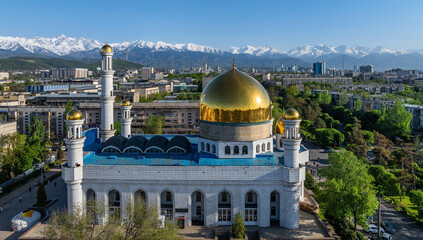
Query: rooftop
x,y
93,156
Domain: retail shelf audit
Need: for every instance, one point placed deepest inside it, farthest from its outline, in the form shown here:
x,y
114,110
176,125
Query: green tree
x,y
370,120
343,99
60,154
416,197
238,227
356,139
41,194
117,126
140,223
395,121
328,137
382,148
358,105
324,98
309,182
154,125
68,107
15,157
292,90
348,191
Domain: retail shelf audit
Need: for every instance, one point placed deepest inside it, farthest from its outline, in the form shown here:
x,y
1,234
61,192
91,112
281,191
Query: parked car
x,y
386,236
373,229
388,227
328,150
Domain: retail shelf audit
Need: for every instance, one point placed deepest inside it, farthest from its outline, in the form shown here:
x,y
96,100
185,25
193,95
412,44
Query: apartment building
x,y
181,117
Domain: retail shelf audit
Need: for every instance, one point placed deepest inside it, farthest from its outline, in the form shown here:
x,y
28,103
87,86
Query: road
x,y
12,205
405,228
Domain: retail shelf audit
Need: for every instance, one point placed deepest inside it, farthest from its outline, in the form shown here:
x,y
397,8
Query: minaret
x,y
72,171
125,120
279,132
107,98
291,145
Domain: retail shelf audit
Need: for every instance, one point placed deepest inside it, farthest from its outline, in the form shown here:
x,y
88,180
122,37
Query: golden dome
x,y
125,102
74,114
291,114
280,127
235,97
106,48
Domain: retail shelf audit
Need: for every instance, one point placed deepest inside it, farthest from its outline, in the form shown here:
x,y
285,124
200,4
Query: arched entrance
x,y
224,209
114,204
274,208
166,205
197,208
140,197
250,213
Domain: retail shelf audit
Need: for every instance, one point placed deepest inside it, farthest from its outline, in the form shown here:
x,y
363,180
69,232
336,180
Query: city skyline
x,y
280,24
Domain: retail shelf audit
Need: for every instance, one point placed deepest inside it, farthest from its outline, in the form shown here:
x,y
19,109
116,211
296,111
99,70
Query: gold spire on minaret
x,y
233,63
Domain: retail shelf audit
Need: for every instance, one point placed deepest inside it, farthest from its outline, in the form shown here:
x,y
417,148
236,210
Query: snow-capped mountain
x,y
162,54
255,51
354,51
64,45
61,45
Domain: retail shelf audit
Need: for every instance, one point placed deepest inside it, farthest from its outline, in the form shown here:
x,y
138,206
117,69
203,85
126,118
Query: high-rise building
x,y
146,72
319,68
366,69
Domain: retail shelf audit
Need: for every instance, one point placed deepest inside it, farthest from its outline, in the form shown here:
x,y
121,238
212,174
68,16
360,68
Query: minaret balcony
x,y
293,175
71,173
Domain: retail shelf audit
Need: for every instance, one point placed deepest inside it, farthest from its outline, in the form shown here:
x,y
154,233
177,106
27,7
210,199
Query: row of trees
x,y
20,152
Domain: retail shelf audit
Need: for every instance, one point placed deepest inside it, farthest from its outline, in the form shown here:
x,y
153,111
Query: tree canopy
x,y
348,191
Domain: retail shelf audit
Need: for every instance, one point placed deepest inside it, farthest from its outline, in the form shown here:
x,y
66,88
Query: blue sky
x,y
281,24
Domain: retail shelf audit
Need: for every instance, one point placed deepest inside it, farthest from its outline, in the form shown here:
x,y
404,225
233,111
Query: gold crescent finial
x,y
233,63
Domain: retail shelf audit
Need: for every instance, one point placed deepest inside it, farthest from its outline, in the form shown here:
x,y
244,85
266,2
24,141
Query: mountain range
x,y
162,54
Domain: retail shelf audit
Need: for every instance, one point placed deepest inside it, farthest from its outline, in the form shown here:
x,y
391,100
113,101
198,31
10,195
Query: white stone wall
x,y
220,147
182,181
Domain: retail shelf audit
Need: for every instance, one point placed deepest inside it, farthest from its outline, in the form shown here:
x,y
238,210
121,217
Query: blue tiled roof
x,y
192,158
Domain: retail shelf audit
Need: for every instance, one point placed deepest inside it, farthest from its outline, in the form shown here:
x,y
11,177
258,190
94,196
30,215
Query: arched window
x,y
202,146
273,211
263,147
224,197
198,210
91,205
140,197
268,146
168,196
208,147
249,196
198,196
273,197
236,150
114,203
244,150
280,142
258,149
227,150
214,148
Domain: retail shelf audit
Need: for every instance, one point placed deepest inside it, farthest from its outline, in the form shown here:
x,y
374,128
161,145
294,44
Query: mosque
x,y
235,164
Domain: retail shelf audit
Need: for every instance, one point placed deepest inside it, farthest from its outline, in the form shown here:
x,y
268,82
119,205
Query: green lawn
x,y
406,206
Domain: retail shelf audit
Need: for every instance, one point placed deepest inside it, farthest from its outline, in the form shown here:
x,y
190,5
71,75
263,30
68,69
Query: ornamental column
x,y
292,189
107,98
126,119
72,170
